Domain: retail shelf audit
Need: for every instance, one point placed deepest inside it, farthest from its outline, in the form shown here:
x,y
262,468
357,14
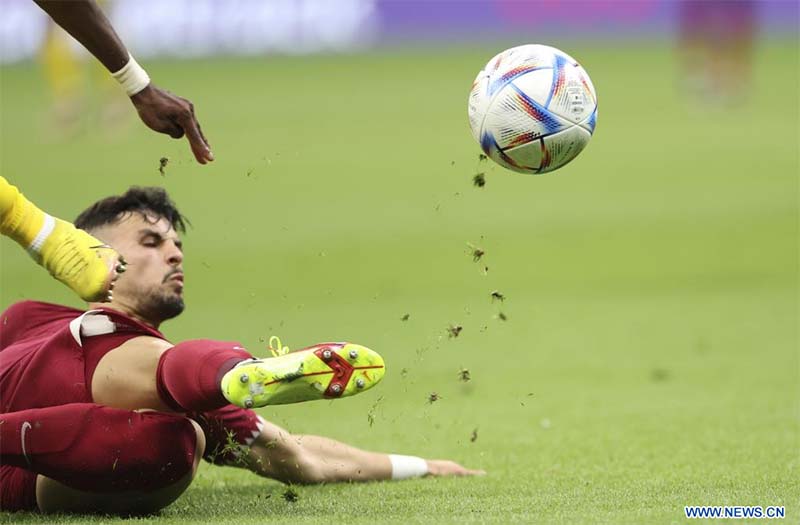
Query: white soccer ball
x,y
532,109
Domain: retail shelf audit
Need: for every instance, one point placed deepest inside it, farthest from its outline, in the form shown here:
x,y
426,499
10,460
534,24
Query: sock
x,y
97,448
229,433
17,489
189,374
21,220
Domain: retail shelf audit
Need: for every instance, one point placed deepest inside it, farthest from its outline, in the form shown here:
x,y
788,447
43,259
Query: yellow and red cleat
x,y
323,371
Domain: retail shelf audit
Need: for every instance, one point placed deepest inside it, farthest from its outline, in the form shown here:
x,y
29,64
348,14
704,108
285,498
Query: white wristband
x,y
132,77
404,467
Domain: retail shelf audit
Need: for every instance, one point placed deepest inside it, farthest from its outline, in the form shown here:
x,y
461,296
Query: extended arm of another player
x,y
160,110
307,459
87,23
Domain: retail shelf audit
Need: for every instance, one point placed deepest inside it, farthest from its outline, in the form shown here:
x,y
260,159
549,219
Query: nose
x,y
174,254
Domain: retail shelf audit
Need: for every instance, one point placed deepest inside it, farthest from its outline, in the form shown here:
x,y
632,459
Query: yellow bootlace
x,y
276,347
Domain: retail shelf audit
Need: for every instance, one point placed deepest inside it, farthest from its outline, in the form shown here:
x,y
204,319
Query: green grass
x,y
650,356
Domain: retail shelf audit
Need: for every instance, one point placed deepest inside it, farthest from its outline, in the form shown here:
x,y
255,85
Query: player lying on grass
x,y
74,384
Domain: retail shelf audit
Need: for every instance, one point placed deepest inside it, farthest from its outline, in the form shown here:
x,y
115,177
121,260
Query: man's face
x,y
152,285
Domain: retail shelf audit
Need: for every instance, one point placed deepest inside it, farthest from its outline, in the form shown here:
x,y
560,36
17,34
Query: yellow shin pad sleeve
x,y
20,219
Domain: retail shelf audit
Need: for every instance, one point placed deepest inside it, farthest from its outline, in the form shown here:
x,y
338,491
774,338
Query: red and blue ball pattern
x,y
532,109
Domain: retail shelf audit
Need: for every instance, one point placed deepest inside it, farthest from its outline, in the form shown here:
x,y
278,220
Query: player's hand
x,y
443,467
167,113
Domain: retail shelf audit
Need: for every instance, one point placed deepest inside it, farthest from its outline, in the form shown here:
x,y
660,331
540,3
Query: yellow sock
x,y
21,220
72,256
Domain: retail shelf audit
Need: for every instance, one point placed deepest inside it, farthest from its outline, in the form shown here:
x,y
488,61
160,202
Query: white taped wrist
x,y
132,77
404,467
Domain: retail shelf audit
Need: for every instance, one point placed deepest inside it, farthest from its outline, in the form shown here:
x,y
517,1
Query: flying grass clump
x,y
454,330
162,163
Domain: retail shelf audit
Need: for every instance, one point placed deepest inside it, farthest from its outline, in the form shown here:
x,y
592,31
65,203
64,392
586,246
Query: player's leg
x,y
95,458
54,496
105,460
147,372
323,371
230,431
17,489
203,375
72,256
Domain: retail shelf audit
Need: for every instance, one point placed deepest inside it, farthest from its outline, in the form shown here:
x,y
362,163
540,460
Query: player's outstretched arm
x,y
160,110
305,459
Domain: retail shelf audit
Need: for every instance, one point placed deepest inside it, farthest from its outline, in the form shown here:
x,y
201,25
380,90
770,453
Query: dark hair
x,y
147,201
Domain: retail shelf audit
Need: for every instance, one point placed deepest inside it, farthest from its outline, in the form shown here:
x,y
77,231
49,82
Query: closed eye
x,y
151,241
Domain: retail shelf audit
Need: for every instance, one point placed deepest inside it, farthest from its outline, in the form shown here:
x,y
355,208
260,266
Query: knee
x,y
127,450
167,448
138,463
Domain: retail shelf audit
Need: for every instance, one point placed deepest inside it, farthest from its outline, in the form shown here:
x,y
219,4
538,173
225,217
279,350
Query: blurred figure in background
x,y
716,40
73,86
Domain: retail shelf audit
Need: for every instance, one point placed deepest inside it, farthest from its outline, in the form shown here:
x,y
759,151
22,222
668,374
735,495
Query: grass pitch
x,y
649,355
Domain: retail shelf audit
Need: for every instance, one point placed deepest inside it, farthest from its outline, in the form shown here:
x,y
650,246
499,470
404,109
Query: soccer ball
x,y
532,109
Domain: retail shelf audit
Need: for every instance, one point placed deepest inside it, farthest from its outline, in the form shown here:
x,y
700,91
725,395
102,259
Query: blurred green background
x,y
649,359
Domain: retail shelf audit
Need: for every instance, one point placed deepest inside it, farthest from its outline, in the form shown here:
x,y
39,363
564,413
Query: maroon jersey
x,y
49,352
